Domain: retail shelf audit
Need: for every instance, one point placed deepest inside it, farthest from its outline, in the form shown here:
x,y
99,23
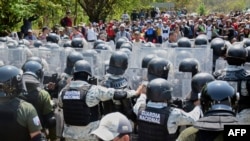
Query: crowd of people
x,y
76,105
153,25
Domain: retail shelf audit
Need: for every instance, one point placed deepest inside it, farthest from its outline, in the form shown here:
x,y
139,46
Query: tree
x,y
201,9
12,12
101,9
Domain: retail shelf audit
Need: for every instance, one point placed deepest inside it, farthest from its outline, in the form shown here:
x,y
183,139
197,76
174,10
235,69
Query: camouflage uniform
x,y
177,116
94,95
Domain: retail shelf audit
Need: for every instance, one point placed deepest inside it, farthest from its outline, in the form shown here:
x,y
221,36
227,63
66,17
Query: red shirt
x,y
68,21
110,31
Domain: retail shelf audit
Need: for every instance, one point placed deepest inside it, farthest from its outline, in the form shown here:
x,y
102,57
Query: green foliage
x,y
51,11
201,9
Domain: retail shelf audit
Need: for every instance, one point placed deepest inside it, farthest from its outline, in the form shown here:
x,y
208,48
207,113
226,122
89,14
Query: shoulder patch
x,y
36,121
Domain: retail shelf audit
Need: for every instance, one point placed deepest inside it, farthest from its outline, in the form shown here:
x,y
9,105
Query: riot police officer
x,y
158,68
52,38
157,120
219,48
38,97
80,99
17,116
115,78
197,82
190,65
64,78
201,40
218,101
184,42
238,77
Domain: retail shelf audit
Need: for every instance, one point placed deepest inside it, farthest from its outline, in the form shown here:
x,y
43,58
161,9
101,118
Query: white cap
x,y
112,125
122,25
29,30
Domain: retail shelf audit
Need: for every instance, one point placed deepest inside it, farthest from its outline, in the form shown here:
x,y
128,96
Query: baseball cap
x,y
29,30
122,25
112,125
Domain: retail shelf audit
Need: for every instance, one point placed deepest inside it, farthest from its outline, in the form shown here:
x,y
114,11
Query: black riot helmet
x,y
236,55
158,68
146,59
159,90
77,43
99,41
189,65
3,39
118,63
184,42
102,46
35,58
246,42
248,54
218,46
12,44
67,44
127,45
126,50
71,59
35,68
198,81
52,37
218,95
120,41
37,43
81,70
201,40
10,81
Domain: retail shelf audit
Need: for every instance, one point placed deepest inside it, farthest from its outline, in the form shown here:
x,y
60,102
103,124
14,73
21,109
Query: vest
x,y
75,110
10,129
239,79
204,135
152,125
124,106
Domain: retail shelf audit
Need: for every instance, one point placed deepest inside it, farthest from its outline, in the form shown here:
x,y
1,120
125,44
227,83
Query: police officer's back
x,y
158,121
80,99
17,116
115,78
37,96
197,82
238,77
218,99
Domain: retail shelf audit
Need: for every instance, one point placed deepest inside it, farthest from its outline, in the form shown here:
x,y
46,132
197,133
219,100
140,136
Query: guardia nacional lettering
x,y
150,117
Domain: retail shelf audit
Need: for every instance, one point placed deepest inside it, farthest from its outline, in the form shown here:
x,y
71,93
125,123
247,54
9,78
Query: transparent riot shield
x,y
53,58
64,54
134,77
220,64
4,55
92,58
3,45
181,84
203,55
103,58
62,42
139,53
16,57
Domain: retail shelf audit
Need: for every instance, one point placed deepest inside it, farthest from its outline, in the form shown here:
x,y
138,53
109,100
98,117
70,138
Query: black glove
x,y
178,103
92,80
120,94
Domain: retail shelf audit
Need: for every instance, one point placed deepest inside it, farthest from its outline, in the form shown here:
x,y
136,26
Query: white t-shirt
x,y
91,34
